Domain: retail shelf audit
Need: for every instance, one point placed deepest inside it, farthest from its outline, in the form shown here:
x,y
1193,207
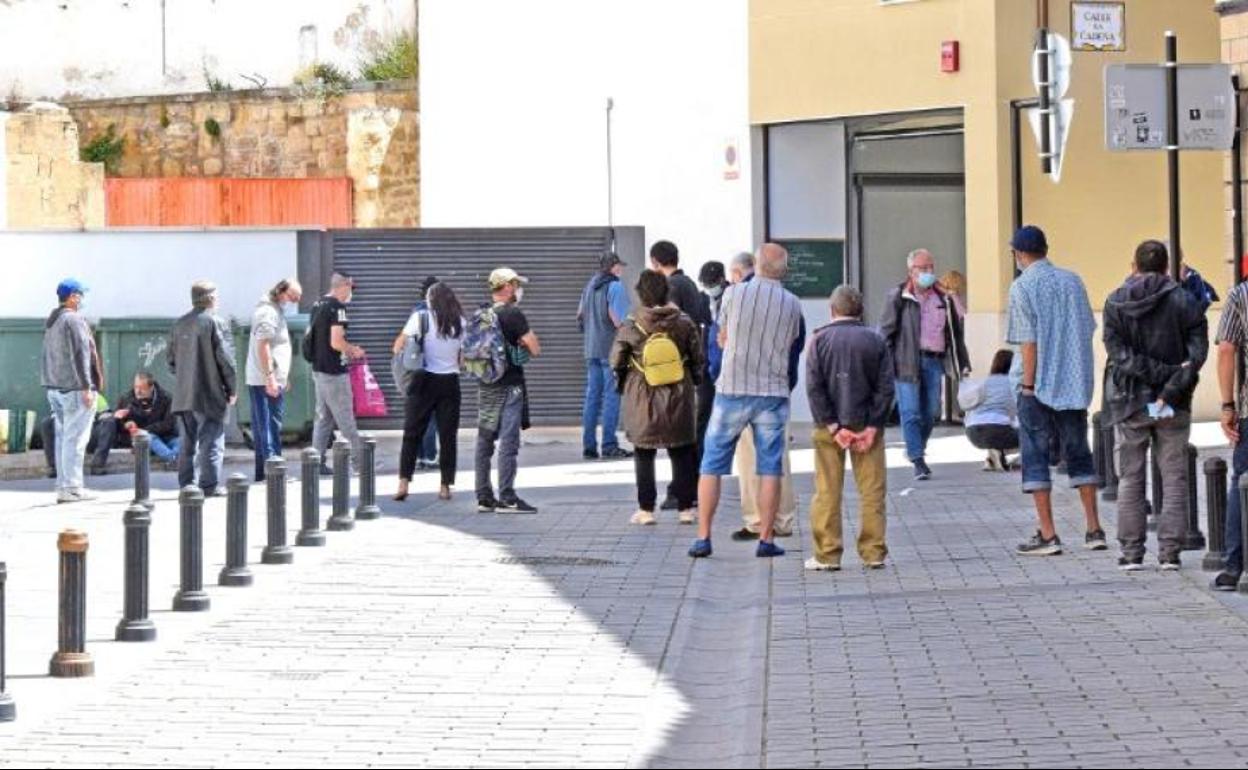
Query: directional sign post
x,y
1050,73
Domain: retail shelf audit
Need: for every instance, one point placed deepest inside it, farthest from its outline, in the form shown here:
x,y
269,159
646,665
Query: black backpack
x,y
307,348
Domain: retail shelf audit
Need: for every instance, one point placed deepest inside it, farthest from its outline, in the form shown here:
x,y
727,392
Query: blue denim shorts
x,y
731,415
1039,425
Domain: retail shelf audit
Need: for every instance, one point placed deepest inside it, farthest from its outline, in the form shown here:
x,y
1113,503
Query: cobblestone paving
x,y
441,637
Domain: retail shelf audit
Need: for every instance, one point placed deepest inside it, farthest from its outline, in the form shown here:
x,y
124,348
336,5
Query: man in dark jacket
x,y
604,306
1156,340
849,381
146,407
923,329
201,356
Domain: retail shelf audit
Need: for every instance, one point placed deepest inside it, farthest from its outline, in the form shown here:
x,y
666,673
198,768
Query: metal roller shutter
x,y
389,265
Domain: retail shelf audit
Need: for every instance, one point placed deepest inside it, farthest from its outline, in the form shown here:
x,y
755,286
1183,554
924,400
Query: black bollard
x,y
136,626
1243,517
142,442
1109,437
311,534
1098,450
1195,539
235,572
340,519
1215,503
191,597
71,659
1158,489
8,709
367,508
276,552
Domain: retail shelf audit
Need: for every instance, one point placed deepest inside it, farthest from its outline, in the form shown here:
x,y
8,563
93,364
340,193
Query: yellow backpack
x,y
660,363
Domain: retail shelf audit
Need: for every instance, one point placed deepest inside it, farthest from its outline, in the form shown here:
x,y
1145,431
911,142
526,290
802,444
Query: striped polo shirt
x,y
761,319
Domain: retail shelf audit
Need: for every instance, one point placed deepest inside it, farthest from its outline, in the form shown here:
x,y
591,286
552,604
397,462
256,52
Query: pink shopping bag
x,y
368,398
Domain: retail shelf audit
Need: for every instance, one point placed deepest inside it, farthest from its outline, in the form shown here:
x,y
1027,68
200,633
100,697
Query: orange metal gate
x,y
182,201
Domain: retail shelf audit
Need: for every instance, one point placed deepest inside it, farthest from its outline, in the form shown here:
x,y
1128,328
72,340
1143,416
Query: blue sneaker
x,y
700,548
768,549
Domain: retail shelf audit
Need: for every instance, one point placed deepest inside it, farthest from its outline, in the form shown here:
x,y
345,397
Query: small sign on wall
x,y
1098,26
732,160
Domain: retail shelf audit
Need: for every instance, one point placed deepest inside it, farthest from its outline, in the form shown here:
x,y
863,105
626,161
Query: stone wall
x,y
369,133
45,183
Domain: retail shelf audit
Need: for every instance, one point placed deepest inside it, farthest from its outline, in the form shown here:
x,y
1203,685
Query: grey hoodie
x,y
67,343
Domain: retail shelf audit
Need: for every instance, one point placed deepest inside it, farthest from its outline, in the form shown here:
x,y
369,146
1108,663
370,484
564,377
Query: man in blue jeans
x,y
1050,319
923,328
604,306
1232,337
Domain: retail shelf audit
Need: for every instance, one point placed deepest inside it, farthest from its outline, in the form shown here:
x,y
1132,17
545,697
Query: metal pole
x,y
1172,147
1108,441
1046,100
610,177
276,552
71,659
340,519
1194,540
8,709
142,447
1243,513
1098,449
135,625
1159,489
236,572
367,508
1237,186
1215,503
190,596
311,534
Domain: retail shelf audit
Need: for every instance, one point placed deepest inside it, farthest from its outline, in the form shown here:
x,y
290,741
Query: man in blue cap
x,y
67,373
1050,319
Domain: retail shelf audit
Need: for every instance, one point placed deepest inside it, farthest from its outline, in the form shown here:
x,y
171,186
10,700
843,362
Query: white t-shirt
x,y
441,353
268,323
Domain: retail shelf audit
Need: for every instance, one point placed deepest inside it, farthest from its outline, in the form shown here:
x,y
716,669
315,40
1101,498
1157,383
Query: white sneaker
x,y
643,518
688,516
814,565
73,496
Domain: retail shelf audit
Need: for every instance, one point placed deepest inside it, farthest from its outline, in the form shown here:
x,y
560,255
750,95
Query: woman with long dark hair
x,y
435,390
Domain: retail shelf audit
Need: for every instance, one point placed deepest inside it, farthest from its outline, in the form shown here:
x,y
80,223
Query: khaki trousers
x,y
870,475
749,487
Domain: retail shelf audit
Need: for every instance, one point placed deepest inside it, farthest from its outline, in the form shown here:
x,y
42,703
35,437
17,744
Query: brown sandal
x,y
444,493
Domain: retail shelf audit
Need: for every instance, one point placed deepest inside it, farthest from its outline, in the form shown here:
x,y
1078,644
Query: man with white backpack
x,y
497,344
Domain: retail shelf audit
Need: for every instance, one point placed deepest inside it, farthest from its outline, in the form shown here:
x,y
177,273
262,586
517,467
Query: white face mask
x,y
715,291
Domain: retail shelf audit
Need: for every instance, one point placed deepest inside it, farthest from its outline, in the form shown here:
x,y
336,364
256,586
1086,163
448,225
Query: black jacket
x,y
849,376
900,324
154,415
683,293
201,356
1152,328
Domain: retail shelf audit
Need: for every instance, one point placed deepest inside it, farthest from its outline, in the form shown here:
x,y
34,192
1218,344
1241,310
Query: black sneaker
x,y
1038,546
1095,540
921,471
1169,563
1225,581
670,504
1131,564
616,453
515,505
744,534
486,505
589,454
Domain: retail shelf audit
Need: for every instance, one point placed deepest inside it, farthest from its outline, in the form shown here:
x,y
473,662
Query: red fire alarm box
x,y
950,59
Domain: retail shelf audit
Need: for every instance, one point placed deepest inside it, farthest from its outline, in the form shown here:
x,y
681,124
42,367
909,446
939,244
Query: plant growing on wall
x,y
215,83
395,58
323,80
164,116
107,148
212,128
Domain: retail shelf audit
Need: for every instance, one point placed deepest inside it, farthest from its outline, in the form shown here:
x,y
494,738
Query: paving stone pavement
x,y
441,637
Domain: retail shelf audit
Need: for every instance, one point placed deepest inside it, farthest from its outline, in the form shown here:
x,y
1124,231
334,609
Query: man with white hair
x,y
923,328
759,322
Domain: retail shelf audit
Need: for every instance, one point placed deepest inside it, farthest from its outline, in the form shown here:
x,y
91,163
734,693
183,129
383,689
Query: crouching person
x,y
849,381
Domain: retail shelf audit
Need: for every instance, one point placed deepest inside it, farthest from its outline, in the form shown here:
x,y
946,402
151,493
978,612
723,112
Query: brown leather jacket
x,y
657,418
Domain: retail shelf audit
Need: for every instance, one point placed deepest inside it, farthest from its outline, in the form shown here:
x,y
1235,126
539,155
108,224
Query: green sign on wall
x,y
816,267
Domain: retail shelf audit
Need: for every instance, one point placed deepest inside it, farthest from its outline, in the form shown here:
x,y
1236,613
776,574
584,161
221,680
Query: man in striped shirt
x,y
1232,338
759,321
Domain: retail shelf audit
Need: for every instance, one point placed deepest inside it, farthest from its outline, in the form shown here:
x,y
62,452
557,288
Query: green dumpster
x,y
300,396
128,345
21,340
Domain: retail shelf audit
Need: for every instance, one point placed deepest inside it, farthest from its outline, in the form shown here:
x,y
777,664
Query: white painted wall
x,y
135,273
102,48
4,170
513,127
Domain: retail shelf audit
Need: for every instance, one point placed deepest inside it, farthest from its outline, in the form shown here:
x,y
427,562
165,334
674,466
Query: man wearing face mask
x,y
335,406
923,329
268,368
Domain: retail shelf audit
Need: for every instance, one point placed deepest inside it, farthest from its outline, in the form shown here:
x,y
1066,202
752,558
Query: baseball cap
x,y
1030,240
505,275
610,260
69,286
428,283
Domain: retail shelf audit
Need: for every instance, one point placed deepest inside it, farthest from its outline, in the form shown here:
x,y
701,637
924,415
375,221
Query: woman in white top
x,y
435,391
992,412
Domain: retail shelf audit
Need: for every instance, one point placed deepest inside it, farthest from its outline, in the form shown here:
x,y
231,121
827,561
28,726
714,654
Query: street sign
x,y
1135,107
1062,110
1060,62
1059,130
